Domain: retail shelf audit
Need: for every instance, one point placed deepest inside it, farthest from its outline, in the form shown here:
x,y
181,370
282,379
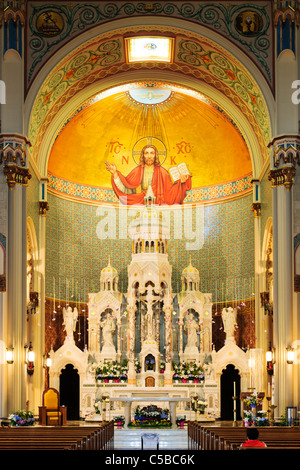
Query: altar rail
x,y
201,437
57,438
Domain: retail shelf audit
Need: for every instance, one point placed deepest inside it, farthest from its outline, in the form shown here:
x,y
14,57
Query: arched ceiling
x,y
192,129
72,141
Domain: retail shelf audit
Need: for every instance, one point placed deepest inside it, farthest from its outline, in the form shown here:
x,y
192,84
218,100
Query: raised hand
x,y
111,167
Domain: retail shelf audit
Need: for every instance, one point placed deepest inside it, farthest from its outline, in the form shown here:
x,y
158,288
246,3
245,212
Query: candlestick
x,y
234,411
269,409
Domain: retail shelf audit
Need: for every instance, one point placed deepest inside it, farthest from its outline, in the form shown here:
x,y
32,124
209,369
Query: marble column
x,y
282,177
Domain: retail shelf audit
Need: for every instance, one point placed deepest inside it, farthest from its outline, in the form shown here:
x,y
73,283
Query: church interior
x,y
150,214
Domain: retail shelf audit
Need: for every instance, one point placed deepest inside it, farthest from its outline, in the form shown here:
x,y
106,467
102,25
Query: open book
x,y
176,171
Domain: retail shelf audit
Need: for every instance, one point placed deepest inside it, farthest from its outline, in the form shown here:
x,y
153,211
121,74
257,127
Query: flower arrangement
x,y
180,420
261,419
149,362
247,418
119,420
185,371
151,416
97,407
253,399
21,418
162,367
111,371
199,405
137,366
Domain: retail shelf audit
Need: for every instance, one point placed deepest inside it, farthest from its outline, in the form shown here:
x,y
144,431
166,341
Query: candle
x,y
269,390
234,390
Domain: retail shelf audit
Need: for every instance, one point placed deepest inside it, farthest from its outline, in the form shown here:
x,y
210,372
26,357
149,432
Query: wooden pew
x,y
71,438
230,438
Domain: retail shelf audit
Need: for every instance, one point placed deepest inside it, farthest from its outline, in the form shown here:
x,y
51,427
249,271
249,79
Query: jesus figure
x,y
132,188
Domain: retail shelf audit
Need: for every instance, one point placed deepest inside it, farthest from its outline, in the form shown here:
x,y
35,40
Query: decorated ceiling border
x,y
102,58
94,194
50,26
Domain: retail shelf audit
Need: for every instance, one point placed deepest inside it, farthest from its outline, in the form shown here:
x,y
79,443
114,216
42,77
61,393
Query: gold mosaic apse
x,y
190,128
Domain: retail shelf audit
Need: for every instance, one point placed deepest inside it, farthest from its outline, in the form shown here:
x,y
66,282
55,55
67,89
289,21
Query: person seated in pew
x,y
253,441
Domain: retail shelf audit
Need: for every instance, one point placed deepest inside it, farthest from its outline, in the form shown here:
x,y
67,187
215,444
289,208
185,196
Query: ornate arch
x,y
100,63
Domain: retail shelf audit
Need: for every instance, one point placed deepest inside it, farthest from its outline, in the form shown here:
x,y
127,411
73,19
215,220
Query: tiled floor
x,y
169,439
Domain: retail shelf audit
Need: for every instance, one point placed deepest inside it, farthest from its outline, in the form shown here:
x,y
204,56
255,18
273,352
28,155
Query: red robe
x,y
163,189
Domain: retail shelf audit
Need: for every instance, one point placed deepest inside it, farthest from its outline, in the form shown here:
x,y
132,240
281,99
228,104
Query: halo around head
x,y
140,144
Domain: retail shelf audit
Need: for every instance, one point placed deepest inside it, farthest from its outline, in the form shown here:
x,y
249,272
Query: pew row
x,y
57,438
203,437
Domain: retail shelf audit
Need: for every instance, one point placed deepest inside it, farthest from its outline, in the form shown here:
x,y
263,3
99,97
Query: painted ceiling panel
x,y
190,129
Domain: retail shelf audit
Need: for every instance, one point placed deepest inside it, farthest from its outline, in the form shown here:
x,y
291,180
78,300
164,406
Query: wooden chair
x,y
51,413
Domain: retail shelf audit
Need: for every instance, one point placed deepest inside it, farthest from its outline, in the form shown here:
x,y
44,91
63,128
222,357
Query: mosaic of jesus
x,y
168,187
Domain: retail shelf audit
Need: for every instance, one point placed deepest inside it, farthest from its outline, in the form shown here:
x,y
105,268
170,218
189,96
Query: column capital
x,y
12,12
283,176
256,208
43,207
285,150
13,157
284,11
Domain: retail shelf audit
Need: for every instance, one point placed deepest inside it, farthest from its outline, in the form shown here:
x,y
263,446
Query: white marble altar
x,y
150,324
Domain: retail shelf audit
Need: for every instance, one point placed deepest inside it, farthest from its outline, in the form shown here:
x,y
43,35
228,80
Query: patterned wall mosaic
x,y
93,193
77,251
247,25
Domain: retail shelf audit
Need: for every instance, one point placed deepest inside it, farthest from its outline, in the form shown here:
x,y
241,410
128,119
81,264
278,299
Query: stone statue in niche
x,y
229,322
149,314
191,327
108,331
70,321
